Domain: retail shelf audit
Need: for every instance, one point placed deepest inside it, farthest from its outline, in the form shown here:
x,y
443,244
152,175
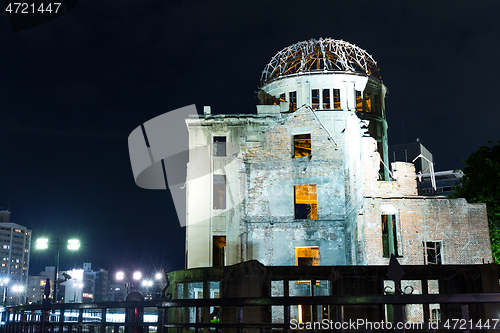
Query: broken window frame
x,y
219,146
326,99
302,145
390,244
219,192
305,199
218,251
434,251
292,99
368,102
314,255
315,99
336,99
359,101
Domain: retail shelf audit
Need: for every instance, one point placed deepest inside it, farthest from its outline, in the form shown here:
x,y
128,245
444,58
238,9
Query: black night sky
x,y
72,90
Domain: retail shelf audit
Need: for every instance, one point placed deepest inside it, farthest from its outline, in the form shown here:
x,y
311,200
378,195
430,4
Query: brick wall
x,y
461,227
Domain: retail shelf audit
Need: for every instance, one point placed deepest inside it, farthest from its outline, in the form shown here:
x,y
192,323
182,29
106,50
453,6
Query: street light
x,y
121,276
43,243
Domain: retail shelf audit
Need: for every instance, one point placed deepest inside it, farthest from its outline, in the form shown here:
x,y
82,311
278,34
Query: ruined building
x,y
306,180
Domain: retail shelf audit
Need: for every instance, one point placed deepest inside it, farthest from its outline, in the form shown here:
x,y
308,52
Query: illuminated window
x,y
219,192
218,251
432,253
306,204
17,230
336,98
368,102
315,98
282,97
293,100
307,256
359,101
219,146
389,236
302,145
326,98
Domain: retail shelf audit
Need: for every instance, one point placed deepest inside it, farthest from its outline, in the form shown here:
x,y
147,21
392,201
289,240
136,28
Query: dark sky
x,y
74,88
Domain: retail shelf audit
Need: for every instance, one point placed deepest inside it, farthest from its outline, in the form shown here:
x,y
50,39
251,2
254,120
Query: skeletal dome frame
x,y
320,55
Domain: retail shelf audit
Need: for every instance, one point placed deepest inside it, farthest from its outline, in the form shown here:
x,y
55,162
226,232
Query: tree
x,y
481,183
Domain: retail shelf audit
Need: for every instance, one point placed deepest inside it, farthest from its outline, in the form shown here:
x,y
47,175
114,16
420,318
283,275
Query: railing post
x,y
161,319
134,315
103,320
61,320
286,308
45,320
80,320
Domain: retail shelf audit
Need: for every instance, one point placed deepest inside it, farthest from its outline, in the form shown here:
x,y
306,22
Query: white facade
x,y
15,249
306,180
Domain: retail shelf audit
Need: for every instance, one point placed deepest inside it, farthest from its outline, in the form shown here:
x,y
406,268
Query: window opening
x,y
359,101
368,102
336,98
306,256
293,100
282,97
432,253
315,99
219,192
302,145
326,98
218,251
389,236
306,207
219,146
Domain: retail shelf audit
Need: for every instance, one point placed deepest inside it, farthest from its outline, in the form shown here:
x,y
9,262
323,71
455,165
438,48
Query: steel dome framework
x,y
320,55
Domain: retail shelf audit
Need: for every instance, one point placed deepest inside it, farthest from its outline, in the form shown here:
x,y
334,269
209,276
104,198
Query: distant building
x,y
86,285
15,249
81,285
36,285
101,285
407,152
444,182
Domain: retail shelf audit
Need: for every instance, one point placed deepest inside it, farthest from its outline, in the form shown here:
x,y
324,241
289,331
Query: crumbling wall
x,y
462,229
272,232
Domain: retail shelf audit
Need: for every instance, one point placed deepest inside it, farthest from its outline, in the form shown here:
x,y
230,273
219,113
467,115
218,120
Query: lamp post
x,y
121,276
43,243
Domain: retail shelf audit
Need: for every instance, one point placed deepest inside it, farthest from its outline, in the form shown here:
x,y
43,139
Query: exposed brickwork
x,y
461,227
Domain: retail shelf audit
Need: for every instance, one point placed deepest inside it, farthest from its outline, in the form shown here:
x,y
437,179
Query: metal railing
x,y
170,315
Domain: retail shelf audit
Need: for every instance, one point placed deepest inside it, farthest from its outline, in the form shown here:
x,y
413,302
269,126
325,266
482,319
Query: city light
x,y
120,276
158,276
73,244
17,288
147,283
137,276
42,243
